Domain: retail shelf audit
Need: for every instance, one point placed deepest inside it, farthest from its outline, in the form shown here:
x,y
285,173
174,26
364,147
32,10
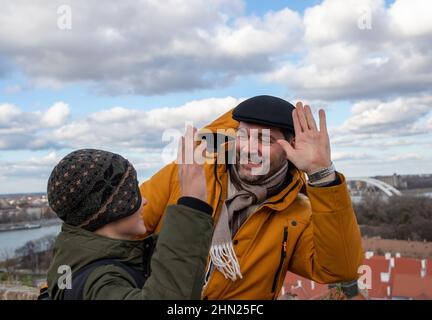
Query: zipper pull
x,y
284,243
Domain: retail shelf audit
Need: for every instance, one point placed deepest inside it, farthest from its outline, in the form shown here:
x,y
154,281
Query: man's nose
x,y
253,146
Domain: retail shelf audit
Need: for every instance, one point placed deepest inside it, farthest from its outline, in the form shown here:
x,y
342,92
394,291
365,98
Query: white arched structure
x,y
384,187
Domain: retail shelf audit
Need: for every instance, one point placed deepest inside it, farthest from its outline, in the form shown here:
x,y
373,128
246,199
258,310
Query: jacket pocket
x,y
281,261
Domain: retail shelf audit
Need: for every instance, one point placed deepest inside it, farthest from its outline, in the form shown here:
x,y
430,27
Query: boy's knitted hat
x,y
90,188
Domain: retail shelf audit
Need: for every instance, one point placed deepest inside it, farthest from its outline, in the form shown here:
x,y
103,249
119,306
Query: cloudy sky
x,y
117,74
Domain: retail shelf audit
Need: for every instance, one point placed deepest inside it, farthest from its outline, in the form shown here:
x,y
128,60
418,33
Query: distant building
x,y
403,182
395,180
392,278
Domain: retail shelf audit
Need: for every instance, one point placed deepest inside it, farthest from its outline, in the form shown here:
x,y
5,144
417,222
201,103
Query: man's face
x,y
260,150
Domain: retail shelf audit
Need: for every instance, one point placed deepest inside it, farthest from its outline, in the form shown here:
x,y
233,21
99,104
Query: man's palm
x,y
311,150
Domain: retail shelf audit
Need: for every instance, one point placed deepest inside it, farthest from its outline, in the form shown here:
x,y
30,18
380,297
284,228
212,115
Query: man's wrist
x,y
330,180
322,175
187,191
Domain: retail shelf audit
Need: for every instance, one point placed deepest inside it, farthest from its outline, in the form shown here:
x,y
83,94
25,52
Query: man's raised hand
x,y
311,150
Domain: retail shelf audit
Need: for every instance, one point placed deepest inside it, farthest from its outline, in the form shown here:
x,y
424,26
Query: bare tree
x,y
405,217
9,262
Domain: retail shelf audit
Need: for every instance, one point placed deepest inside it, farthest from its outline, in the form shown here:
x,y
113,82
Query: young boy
x,y
96,194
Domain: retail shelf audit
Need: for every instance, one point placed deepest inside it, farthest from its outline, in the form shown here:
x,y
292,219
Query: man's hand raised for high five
x,y
310,151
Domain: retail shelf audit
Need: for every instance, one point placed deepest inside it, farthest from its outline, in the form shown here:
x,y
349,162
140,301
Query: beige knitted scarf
x,y
235,208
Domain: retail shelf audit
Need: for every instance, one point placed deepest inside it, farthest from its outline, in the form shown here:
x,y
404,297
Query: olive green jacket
x,y
177,266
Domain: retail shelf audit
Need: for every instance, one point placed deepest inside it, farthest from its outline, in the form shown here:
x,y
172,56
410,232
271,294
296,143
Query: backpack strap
x,y
80,277
43,294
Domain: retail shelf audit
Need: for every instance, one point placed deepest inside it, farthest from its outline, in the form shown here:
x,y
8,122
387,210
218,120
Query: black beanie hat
x,y
266,110
90,188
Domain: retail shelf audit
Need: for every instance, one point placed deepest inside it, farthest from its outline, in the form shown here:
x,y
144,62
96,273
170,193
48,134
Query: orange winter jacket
x,y
315,236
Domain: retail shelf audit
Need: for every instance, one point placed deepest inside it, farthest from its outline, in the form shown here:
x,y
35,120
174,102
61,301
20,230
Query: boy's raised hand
x,y
190,165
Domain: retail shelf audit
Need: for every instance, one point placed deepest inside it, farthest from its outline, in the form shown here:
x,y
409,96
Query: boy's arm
x,y
178,263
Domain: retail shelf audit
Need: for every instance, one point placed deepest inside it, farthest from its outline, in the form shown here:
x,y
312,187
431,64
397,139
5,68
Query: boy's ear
x,y
292,142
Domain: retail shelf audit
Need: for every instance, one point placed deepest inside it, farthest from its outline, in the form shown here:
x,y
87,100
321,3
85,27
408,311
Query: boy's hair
x,y
90,188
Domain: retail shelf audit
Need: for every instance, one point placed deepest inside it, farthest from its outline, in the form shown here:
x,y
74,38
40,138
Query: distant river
x,y
11,240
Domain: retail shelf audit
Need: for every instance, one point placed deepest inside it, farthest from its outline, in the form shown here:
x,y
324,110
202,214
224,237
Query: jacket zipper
x,y
282,259
209,271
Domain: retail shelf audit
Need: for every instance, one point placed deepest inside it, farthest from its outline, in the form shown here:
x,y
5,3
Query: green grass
x,y
25,280
3,277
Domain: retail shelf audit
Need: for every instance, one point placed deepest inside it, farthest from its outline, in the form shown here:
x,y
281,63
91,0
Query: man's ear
x,y
292,142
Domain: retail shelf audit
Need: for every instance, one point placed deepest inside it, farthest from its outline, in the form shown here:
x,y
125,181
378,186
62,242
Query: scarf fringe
x,y
225,260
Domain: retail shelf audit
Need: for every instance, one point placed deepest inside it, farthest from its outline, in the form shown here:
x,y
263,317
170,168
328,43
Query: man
x,y
265,226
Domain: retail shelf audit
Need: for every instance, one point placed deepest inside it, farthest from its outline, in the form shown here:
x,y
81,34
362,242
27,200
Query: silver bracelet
x,y
321,174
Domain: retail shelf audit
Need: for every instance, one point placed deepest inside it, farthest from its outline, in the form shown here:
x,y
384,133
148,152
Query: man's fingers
x,y
323,121
309,118
189,132
301,116
189,145
297,126
287,147
199,153
180,150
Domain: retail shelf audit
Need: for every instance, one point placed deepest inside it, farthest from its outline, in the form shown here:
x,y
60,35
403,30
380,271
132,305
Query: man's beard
x,y
251,178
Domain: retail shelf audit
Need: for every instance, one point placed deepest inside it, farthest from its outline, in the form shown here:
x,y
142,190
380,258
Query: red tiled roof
x,y
405,280
429,267
305,291
412,286
406,266
291,279
378,264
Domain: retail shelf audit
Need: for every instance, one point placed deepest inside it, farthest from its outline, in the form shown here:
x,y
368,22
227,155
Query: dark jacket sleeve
x,y
178,262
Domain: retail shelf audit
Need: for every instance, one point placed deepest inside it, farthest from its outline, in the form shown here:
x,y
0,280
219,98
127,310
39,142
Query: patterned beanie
x,y
90,188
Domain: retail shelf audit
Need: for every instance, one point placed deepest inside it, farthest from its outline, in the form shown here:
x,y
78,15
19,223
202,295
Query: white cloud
x,y
134,128
36,166
274,33
143,47
398,117
157,47
406,156
56,115
8,113
343,61
116,127
412,17
22,130
348,156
